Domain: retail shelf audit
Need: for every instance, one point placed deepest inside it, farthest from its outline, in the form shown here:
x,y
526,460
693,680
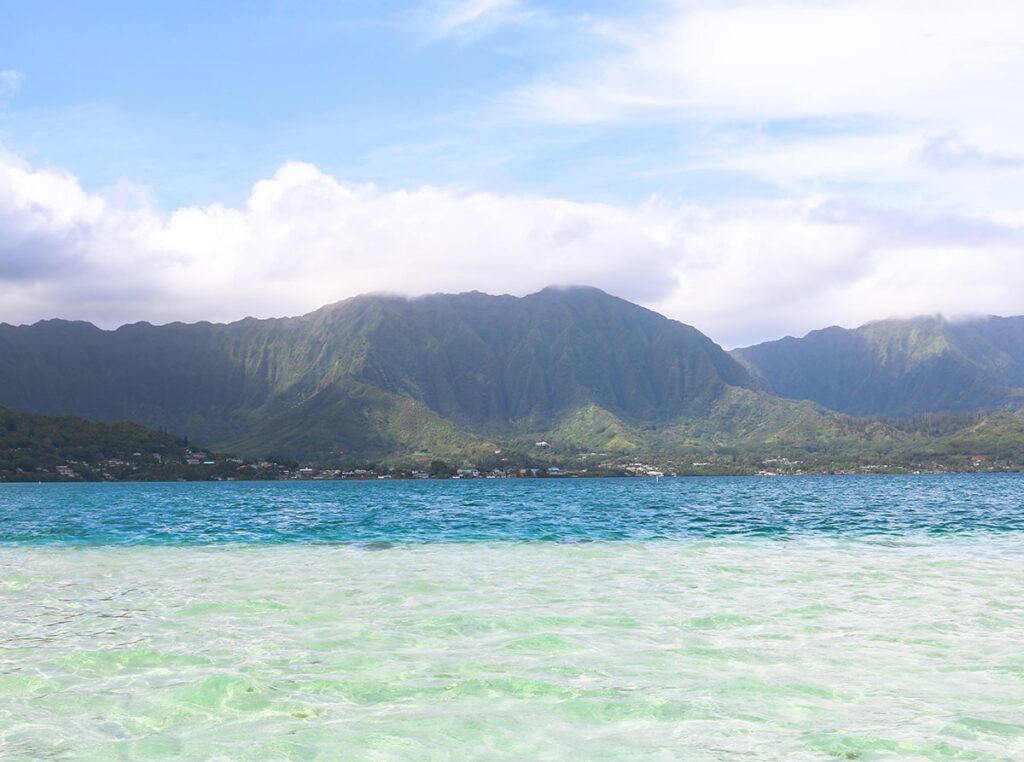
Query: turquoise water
x,y
506,510
707,619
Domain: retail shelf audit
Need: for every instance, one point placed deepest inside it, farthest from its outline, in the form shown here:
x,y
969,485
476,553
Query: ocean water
x,y
699,619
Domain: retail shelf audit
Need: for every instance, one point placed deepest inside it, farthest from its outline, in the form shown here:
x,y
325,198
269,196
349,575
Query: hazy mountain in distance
x,y
898,367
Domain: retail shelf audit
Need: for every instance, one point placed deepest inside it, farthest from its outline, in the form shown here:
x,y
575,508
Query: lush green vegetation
x,y
898,367
750,432
44,448
571,377
372,376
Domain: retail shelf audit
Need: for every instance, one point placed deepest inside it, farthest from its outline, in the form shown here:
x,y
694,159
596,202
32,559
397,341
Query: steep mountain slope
x,y
484,360
376,375
898,367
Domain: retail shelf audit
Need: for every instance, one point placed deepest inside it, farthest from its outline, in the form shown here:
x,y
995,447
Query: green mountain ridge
x,y
340,382
566,374
898,367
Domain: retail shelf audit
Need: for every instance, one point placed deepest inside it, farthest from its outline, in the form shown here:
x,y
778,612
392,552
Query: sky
x,y
756,168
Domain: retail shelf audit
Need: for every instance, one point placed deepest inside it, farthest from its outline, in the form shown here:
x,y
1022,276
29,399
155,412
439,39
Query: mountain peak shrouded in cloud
x,y
743,272
457,376
753,169
475,361
923,364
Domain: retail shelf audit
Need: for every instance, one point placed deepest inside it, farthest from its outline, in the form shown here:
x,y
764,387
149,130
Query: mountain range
x,y
898,367
563,373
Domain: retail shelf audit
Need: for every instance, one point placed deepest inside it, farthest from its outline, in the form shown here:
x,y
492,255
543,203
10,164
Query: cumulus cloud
x,y
777,268
742,271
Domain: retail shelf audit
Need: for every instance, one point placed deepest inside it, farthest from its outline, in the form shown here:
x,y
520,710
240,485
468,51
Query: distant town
x,y
202,465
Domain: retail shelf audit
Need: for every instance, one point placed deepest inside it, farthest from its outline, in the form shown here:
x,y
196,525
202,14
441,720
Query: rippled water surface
x,y
707,619
505,510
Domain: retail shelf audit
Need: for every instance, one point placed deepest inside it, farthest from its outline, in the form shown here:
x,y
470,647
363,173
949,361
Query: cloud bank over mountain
x,y
755,168
741,271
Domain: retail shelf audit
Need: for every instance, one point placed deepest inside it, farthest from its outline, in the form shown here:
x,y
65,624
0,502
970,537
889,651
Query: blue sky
x,y
753,167
199,100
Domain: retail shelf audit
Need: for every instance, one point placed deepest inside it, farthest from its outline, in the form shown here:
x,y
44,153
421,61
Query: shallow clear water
x,y
860,618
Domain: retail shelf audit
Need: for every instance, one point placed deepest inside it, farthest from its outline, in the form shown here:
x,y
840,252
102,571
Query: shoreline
x,y
552,477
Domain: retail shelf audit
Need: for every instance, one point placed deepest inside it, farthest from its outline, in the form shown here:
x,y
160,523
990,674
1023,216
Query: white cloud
x,y
741,272
460,16
813,96
10,82
789,59
950,152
